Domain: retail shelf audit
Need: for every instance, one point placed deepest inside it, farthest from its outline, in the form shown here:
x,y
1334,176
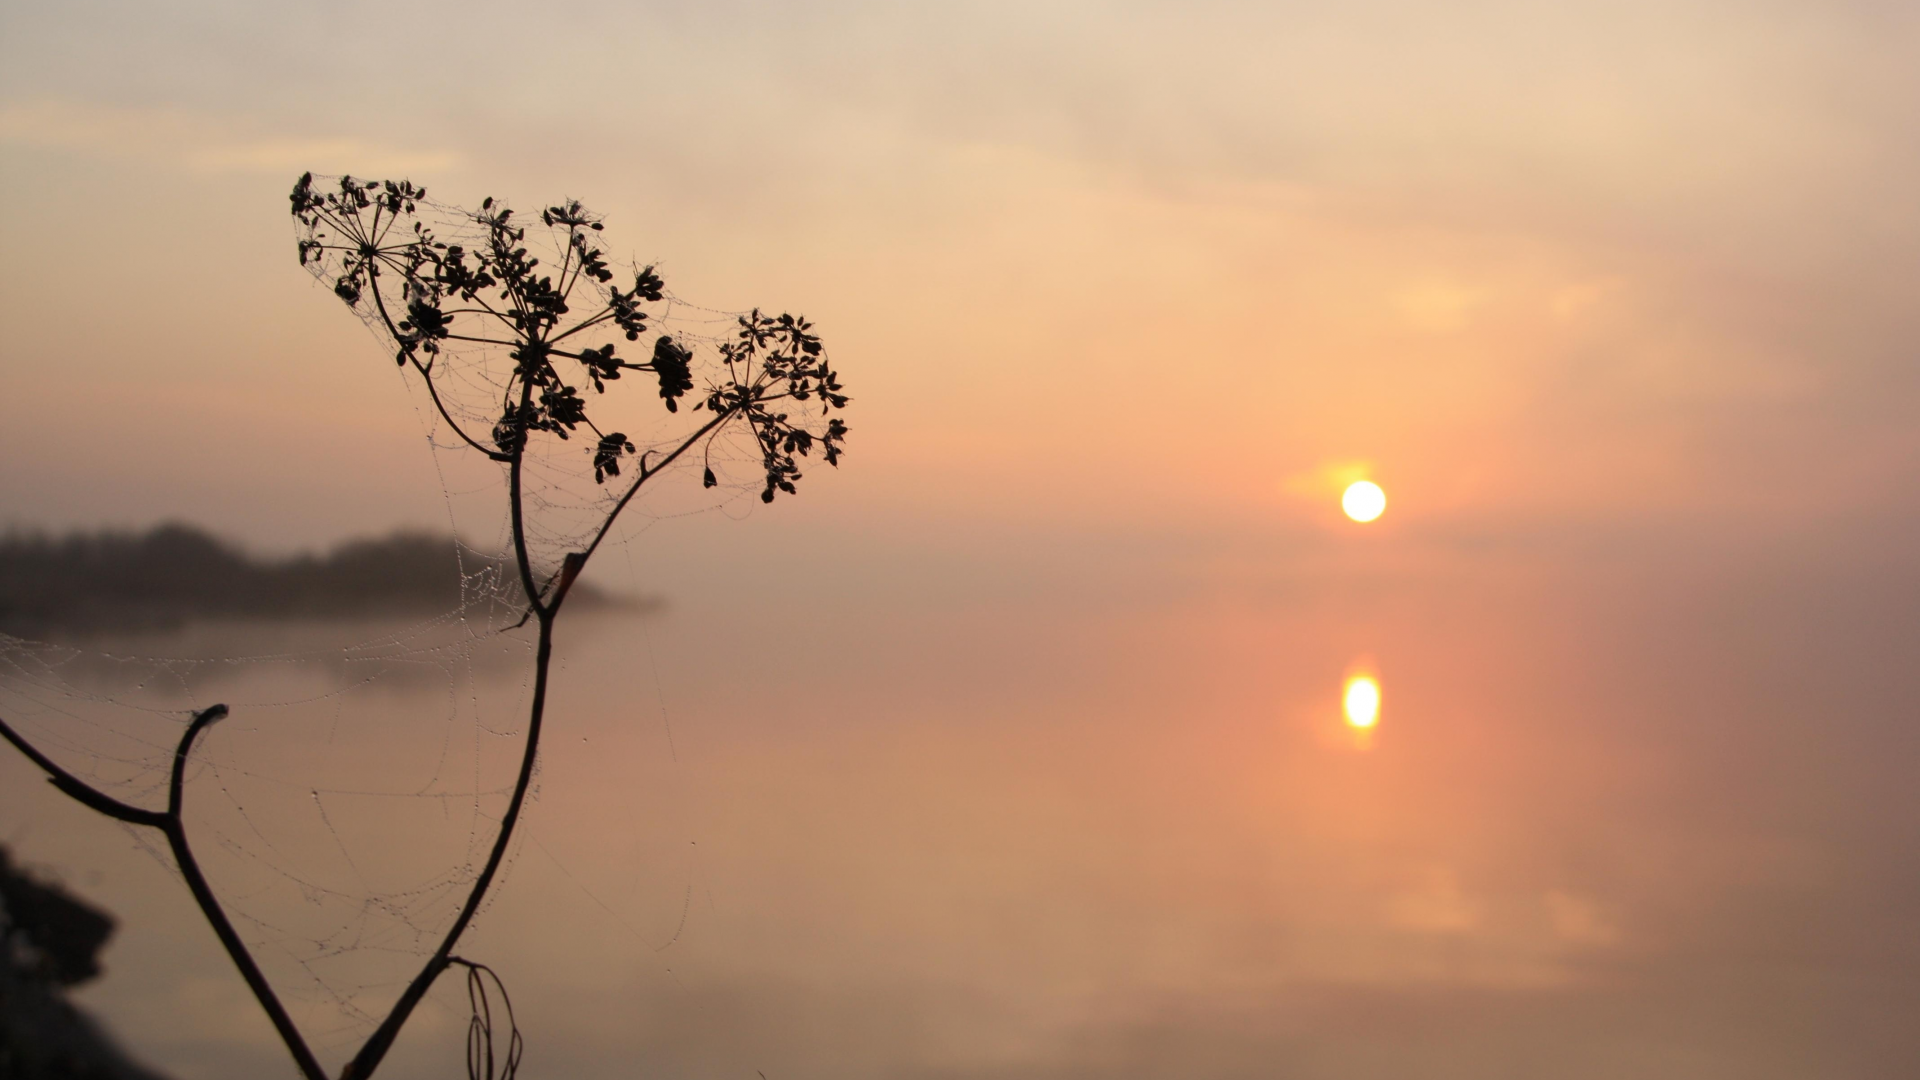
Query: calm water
x,y
1660,827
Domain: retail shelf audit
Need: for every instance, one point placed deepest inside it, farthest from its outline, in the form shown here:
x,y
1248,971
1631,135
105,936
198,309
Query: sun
x,y
1363,500
1362,701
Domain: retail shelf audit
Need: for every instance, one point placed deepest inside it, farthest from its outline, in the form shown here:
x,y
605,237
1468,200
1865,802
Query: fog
x,y
1011,747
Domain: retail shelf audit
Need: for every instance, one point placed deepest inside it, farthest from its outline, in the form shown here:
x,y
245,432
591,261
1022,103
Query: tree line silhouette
x,y
160,579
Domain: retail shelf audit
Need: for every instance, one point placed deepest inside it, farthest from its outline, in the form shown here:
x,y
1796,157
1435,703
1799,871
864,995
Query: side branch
x,y
210,905
80,791
168,822
380,305
517,516
647,474
433,392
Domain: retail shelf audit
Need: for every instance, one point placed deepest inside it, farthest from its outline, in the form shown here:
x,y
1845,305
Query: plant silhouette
x,y
519,356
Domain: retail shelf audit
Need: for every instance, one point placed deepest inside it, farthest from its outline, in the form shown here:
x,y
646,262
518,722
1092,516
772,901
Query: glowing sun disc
x,y
1363,500
1362,701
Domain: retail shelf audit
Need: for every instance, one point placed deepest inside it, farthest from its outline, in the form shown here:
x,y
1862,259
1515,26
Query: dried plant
x,y
518,333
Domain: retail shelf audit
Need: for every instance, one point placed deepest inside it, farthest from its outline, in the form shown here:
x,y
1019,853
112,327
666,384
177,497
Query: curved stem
x,y
377,1044
514,469
210,906
434,393
393,331
79,790
381,1040
645,475
169,822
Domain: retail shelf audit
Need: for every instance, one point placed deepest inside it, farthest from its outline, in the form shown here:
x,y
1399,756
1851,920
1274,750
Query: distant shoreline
x,y
111,582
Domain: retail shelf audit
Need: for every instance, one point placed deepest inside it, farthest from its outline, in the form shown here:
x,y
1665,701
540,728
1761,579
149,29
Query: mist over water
x,y
1008,836
1013,747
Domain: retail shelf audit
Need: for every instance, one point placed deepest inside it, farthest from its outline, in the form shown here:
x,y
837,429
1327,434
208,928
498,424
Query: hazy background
x,y
1618,302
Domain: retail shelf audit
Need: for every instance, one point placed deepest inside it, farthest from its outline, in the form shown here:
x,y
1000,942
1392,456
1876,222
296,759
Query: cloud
x,y
201,143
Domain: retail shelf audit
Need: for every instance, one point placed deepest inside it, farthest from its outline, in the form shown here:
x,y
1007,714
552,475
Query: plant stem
x,y
210,906
381,1040
170,823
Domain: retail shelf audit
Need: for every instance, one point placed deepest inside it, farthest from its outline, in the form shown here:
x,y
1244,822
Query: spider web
x,y
565,503
341,822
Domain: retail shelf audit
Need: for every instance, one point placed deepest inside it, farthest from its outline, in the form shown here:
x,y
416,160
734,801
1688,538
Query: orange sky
x,y
1101,263
1619,302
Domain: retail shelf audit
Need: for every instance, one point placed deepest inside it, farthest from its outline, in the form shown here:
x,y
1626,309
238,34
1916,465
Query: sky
x,y
1618,302
1620,262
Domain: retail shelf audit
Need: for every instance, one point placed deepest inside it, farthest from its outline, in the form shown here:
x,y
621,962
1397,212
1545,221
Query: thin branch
x,y
566,260
212,909
80,791
475,296
646,474
480,1051
380,304
381,1040
210,905
499,238
484,341
169,822
514,470
602,316
434,393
